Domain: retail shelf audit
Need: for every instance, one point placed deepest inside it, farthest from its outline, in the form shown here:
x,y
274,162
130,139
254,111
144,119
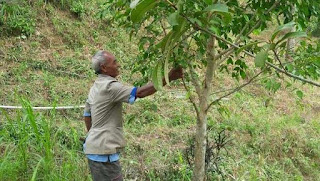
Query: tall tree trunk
x,y
201,132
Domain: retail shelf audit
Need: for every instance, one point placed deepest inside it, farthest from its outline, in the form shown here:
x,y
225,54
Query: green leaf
x,y
222,10
134,3
299,34
229,61
217,8
289,67
154,77
157,76
173,36
173,19
243,74
180,6
162,44
299,94
282,28
138,12
227,17
272,46
261,59
34,175
276,86
179,30
208,2
166,69
247,46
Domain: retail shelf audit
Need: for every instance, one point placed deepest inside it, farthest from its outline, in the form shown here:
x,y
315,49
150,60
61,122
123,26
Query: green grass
x,y
274,136
37,147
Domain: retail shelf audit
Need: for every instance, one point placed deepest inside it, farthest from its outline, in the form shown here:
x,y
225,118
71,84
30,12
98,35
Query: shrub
x,y
16,19
78,8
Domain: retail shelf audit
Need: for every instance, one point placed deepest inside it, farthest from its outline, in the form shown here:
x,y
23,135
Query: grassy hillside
x,y
45,55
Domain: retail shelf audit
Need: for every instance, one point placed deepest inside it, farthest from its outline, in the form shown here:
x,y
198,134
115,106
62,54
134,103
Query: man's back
x,y
105,106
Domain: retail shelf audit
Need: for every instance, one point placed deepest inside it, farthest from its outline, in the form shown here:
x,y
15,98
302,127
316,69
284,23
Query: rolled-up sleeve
x,y
133,95
120,92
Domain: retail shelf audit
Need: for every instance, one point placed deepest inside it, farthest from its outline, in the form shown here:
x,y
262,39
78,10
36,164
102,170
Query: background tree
x,y
213,38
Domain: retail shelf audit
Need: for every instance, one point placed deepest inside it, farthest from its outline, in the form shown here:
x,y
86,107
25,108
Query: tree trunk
x,y
200,147
201,132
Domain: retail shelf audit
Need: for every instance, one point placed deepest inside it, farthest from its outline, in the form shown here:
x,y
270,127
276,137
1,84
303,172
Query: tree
x,y
211,37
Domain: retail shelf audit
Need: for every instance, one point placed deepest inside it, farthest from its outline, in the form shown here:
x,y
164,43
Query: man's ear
x,y
103,68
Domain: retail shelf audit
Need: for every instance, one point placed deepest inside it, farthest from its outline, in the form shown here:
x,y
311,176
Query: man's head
x,y
104,62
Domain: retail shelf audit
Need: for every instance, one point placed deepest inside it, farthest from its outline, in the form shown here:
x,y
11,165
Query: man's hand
x,y
149,89
176,73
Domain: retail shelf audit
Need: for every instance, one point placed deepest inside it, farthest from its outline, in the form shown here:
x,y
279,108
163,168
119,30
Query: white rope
x,y
43,108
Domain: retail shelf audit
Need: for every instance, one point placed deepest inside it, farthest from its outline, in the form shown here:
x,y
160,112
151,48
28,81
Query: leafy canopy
x,y
177,31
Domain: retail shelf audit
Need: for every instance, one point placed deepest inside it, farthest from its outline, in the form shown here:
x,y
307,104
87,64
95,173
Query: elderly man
x,y
103,115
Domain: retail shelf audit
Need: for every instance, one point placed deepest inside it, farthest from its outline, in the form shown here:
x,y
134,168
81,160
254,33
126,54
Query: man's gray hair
x,y
97,60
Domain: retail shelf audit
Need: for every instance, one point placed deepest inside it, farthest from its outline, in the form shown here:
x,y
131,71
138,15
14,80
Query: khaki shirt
x,y
105,106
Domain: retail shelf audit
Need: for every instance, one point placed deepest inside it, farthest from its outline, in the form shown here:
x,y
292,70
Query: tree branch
x,y
277,58
234,90
268,63
197,27
267,12
191,98
237,40
225,57
223,53
211,66
191,33
163,28
230,89
195,81
172,5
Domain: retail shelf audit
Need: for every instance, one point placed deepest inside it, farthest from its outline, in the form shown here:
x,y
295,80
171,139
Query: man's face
x,y
111,67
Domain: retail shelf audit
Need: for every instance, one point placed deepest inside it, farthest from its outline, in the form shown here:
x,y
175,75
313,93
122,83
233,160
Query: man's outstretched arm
x,y
149,88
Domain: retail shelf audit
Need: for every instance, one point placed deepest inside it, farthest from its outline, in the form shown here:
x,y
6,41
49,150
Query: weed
x,y
213,158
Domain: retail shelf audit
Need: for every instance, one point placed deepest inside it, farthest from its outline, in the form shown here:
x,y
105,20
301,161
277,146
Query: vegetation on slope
x,y
45,48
